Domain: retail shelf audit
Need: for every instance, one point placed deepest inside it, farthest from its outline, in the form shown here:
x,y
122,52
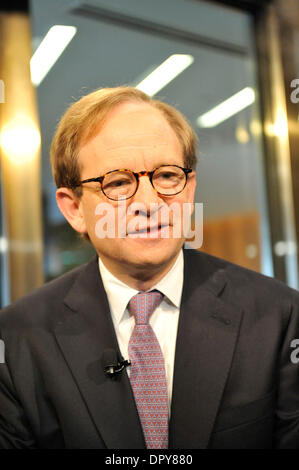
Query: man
x,y
210,344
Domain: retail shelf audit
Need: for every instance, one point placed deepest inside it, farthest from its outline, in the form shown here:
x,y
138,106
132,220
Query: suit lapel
x,y
207,333
87,330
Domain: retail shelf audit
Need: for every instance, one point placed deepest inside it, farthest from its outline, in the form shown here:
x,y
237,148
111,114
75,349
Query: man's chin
x,y
152,251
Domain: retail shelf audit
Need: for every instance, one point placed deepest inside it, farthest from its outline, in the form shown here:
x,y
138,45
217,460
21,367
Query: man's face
x,y
135,137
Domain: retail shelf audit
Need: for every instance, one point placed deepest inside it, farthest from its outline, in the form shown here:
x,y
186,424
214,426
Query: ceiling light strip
x,y
49,50
227,108
165,73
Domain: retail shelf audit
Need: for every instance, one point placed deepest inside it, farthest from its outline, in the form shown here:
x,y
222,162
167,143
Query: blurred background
x,y
234,75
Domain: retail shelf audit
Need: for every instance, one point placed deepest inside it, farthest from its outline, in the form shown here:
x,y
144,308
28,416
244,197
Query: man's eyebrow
x,y
136,171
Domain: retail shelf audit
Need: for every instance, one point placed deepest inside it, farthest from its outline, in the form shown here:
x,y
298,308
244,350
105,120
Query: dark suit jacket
x,y
235,385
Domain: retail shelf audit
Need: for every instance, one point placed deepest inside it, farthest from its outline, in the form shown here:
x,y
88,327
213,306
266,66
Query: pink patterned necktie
x,y
147,375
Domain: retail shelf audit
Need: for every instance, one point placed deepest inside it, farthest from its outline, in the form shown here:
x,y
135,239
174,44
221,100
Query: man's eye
x,y
117,183
168,176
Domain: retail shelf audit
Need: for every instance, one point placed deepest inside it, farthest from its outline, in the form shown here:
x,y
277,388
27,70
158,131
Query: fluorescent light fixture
x,y
49,50
165,73
227,108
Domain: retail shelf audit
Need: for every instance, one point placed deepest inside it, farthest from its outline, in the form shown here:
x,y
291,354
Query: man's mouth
x,y
155,229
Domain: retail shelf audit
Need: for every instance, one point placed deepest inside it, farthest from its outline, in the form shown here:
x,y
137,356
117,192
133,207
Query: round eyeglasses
x,y
167,180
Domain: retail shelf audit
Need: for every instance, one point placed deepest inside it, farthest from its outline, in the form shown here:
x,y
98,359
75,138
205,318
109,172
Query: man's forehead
x,y
133,124
124,140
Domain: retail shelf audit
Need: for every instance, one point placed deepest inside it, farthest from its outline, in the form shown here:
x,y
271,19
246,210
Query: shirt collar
x,y
119,294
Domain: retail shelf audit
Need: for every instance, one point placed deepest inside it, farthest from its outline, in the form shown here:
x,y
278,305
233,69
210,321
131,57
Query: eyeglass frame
x,y
137,175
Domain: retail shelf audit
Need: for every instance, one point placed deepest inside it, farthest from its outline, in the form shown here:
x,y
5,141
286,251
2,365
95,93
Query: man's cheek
x,y
110,220
104,221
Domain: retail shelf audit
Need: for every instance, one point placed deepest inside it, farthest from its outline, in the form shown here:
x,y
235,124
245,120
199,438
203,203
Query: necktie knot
x,y
143,304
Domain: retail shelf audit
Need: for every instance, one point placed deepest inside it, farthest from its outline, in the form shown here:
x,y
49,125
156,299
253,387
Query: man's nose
x,y
146,194
146,191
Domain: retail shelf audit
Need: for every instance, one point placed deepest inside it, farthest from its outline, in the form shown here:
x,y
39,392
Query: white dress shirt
x,y
164,320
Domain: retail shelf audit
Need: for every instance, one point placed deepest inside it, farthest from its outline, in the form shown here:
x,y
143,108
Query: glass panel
x,y
121,42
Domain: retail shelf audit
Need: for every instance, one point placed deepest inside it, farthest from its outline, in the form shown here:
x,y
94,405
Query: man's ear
x,y
70,206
